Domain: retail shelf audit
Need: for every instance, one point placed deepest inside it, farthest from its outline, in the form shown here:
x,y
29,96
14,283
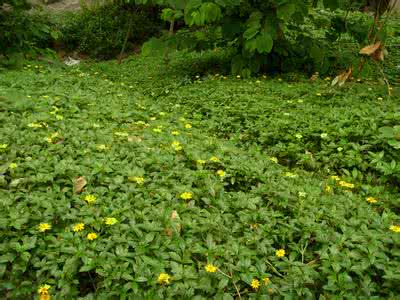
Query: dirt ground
x,y
66,5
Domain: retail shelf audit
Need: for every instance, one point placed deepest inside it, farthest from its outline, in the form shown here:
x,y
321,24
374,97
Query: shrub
x,y
100,31
24,32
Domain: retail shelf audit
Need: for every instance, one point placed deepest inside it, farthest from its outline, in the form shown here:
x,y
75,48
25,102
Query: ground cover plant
x,y
146,181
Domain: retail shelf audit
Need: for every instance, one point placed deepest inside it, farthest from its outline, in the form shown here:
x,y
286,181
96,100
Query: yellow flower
x,y
188,126
254,226
13,166
290,174
138,180
200,161
214,159
334,177
90,198
221,173
175,133
210,268
91,236
346,184
371,200
163,278
44,227
327,188
78,227
395,228
44,289
141,123
153,118
266,280
176,145
158,130
110,221
186,196
101,147
35,125
273,159
255,284
48,139
280,252
121,133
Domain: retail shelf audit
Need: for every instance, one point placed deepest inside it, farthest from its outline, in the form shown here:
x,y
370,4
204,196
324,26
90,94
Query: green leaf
x,y
284,12
141,279
223,283
264,43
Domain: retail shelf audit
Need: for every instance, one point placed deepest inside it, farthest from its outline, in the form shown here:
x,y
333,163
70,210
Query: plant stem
x,y
128,32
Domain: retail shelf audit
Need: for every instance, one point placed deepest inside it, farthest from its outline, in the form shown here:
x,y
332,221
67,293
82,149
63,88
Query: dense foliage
x,y
98,31
23,32
270,35
101,31
146,184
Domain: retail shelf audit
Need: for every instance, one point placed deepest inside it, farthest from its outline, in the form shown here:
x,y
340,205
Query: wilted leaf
x,y
79,184
168,232
314,76
60,141
342,78
370,49
134,139
379,55
174,215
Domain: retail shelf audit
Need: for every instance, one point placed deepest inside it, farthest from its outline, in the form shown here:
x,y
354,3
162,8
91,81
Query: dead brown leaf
x,y
79,184
168,232
342,78
174,215
60,141
314,76
371,49
378,55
